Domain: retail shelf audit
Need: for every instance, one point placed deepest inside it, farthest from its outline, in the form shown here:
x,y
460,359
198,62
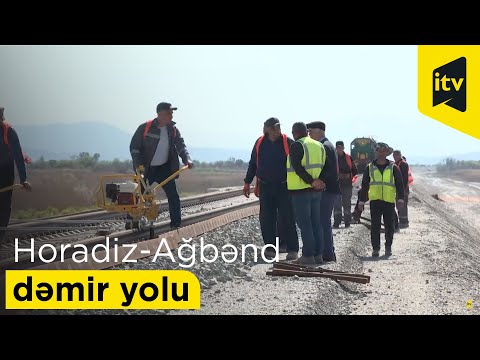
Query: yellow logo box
x,y
102,289
449,85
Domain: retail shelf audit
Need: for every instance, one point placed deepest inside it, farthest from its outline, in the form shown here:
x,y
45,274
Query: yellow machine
x,y
123,193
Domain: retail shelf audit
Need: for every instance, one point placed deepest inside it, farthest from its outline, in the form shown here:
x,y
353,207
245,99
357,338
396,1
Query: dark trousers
x,y
158,174
343,201
7,177
276,212
402,212
307,214
379,208
326,210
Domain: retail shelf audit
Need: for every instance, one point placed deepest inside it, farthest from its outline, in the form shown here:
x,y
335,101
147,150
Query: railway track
x,y
86,227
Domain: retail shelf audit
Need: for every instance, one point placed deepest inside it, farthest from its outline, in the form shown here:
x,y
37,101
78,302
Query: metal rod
x,y
171,177
284,272
13,187
289,266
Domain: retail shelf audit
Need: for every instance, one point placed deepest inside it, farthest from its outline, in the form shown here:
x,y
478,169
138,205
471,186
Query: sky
x,y
225,93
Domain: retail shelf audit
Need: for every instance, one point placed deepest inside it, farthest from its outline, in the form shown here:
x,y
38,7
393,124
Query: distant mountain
x,y
433,160
62,141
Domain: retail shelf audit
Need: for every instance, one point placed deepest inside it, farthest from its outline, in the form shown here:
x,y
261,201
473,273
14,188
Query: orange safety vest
x,y
410,177
149,125
7,126
349,164
256,191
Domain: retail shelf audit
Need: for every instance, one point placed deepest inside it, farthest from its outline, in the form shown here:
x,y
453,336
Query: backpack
x,y
149,125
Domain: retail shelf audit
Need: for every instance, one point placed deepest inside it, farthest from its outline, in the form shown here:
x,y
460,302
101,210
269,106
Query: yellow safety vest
x,y
313,161
382,186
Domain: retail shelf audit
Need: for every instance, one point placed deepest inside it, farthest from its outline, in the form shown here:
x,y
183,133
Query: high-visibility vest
x,y
348,158
410,177
6,127
148,125
382,186
313,161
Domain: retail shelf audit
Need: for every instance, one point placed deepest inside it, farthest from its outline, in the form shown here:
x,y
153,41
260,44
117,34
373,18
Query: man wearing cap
x,y
155,148
10,154
346,172
268,163
329,176
305,164
382,183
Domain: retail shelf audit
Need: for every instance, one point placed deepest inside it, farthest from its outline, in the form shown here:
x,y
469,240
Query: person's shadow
x,y
372,258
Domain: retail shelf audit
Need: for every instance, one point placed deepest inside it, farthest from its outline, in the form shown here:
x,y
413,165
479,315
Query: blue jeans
x,y
326,210
307,214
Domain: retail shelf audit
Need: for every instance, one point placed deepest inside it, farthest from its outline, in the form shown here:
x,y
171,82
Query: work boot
x,y
330,258
270,254
305,260
347,225
376,253
388,250
336,225
130,224
293,255
403,225
319,259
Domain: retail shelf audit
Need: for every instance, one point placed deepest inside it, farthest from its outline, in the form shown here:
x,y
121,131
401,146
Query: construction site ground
x,y
434,269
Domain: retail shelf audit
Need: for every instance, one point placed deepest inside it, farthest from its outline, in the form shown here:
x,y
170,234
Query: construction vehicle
x,y
132,194
362,151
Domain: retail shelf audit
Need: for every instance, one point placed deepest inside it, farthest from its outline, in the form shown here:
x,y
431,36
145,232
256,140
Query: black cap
x,y
272,122
316,125
339,143
381,145
165,106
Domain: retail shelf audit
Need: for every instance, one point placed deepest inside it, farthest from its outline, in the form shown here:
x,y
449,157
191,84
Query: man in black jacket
x,y
155,148
268,162
402,215
332,191
10,154
347,170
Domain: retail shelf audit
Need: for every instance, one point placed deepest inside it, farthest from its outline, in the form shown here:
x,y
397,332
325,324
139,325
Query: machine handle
x,y
13,187
171,176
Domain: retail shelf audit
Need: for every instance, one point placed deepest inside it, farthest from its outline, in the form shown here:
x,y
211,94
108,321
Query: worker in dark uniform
x,y
332,190
268,162
347,170
155,148
10,154
382,185
401,219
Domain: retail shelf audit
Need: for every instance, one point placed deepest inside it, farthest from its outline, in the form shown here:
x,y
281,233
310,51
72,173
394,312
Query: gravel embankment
x,y
243,287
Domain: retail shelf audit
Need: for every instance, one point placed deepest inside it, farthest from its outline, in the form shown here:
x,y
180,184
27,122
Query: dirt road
x,y
434,269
